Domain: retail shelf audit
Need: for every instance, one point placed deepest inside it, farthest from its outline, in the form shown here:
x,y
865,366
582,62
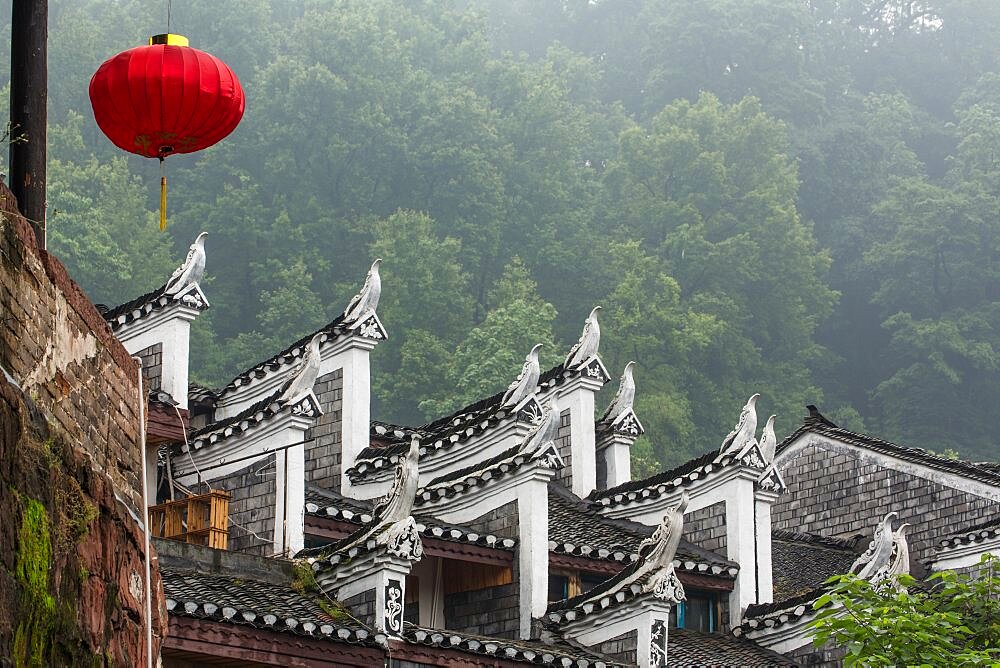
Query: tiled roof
x,y
661,483
973,534
327,503
816,423
576,528
199,394
686,648
607,595
481,473
449,430
779,613
287,357
262,605
803,562
260,412
136,308
537,652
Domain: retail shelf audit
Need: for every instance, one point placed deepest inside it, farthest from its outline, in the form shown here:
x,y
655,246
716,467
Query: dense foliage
x,y
951,619
797,197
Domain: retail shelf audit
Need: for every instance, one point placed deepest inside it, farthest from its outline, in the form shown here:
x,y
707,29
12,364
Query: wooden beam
x,y
28,111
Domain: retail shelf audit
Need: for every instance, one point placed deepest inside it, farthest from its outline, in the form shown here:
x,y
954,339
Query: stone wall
x,y
492,611
362,606
251,508
564,447
72,572
835,493
323,454
624,648
707,527
152,365
500,522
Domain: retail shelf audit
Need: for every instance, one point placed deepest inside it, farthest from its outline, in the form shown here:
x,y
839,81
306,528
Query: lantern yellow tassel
x,y
163,203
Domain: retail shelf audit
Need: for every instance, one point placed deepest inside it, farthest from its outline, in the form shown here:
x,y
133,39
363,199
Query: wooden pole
x,y
28,113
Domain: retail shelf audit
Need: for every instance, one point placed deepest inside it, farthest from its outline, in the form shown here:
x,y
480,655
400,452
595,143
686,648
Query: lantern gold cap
x,y
169,39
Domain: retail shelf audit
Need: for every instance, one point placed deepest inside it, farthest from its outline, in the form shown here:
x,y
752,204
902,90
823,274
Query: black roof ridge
x,y
755,610
112,313
275,359
257,406
819,540
657,478
817,423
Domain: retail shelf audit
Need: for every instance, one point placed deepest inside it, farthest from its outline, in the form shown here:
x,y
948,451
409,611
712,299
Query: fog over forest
x,y
791,197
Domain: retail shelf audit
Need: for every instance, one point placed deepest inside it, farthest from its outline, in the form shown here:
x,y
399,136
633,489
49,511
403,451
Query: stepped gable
x,y
576,528
527,651
390,441
661,483
289,356
974,534
694,649
801,563
817,423
324,503
262,605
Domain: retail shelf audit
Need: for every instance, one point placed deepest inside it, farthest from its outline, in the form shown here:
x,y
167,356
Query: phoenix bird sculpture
x,y
365,302
624,397
526,382
744,431
590,341
191,270
304,376
768,441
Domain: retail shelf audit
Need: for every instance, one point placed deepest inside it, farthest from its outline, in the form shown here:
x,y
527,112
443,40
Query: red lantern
x,y
165,98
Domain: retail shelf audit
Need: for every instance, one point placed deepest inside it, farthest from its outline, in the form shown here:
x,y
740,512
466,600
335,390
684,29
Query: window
x,y
558,587
697,613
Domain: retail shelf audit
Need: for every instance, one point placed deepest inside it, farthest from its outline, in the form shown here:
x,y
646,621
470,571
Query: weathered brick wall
x,y
152,365
251,508
707,527
72,588
563,445
323,453
623,648
500,522
362,606
491,611
58,348
837,494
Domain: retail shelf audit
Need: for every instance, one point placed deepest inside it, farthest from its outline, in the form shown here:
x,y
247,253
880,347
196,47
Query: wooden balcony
x,y
200,520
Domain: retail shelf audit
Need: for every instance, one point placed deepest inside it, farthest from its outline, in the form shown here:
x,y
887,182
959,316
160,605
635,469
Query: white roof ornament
x,y
547,430
624,397
191,271
586,348
744,432
526,382
304,376
392,526
768,441
888,554
363,304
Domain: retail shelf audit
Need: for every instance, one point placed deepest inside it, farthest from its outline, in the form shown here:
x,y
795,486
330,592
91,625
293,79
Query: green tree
x,y
953,621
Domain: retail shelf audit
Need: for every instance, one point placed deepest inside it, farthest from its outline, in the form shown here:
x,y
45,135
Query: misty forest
x,y
791,197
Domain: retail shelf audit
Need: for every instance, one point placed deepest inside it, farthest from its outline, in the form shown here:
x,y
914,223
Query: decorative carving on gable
x,y
402,539
394,608
658,644
529,411
666,586
307,407
193,297
770,480
753,458
371,328
628,424
594,369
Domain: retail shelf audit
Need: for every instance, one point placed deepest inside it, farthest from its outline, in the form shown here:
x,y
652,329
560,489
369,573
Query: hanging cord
x,y
163,195
168,16
201,481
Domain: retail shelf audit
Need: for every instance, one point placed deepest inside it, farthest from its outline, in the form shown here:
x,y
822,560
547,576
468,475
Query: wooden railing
x,y
201,520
